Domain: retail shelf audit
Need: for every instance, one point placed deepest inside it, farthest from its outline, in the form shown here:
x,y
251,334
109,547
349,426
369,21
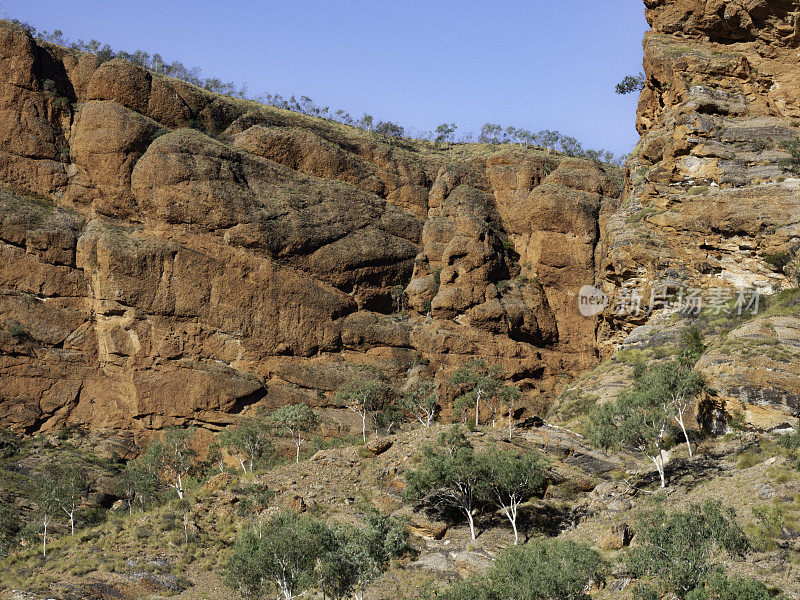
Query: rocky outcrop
x,y
173,256
754,372
711,201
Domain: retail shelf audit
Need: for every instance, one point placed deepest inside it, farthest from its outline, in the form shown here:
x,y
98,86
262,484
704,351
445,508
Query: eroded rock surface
x,y
173,256
711,202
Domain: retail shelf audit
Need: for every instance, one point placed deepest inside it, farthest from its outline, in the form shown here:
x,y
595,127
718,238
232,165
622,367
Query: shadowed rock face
x,y
169,255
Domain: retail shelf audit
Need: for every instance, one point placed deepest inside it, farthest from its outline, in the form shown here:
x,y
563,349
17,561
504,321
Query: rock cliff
x,y
170,255
712,200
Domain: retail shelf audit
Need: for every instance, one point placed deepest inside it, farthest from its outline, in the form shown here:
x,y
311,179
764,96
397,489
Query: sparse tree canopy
x,y
399,297
422,402
46,496
549,139
254,505
296,420
361,554
363,395
511,480
482,383
491,133
571,146
720,587
509,396
641,417
390,130
248,442
170,458
138,483
449,475
283,559
298,553
73,485
444,133
630,84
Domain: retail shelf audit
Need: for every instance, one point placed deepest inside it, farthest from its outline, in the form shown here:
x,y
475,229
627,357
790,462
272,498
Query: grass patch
x,y
570,404
697,190
642,214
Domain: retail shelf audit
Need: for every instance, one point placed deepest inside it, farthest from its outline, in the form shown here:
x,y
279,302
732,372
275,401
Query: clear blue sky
x,y
530,63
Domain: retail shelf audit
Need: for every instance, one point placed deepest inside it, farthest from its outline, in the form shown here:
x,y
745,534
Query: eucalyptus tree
x,y
297,420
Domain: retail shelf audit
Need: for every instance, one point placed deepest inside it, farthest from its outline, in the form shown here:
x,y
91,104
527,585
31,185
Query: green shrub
x,y
778,259
10,525
10,443
791,164
677,549
540,570
770,521
748,459
762,144
719,587
632,356
790,441
692,344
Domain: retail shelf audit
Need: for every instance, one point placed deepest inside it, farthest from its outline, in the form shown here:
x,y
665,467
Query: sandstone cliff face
x,y
712,198
169,255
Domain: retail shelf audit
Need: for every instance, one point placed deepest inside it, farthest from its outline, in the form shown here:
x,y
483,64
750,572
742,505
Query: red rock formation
x,y
712,189
170,255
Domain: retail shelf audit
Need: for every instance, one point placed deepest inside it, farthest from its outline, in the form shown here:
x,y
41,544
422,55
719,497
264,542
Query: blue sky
x,y
535,64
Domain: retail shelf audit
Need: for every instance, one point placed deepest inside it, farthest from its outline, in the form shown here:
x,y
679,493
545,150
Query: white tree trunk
x,y
679,419
659,463
45,521
471,523
71,515
364,425
514,527
477,408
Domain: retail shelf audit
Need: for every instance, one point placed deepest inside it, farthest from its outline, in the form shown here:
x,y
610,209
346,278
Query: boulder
x,y
378,446
427,529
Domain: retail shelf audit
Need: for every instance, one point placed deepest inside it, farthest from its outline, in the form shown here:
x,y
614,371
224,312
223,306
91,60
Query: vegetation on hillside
x,y
540,570
453,474
442,135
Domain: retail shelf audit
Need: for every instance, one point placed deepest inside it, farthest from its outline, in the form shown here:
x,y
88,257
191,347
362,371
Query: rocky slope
x,y
170,255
